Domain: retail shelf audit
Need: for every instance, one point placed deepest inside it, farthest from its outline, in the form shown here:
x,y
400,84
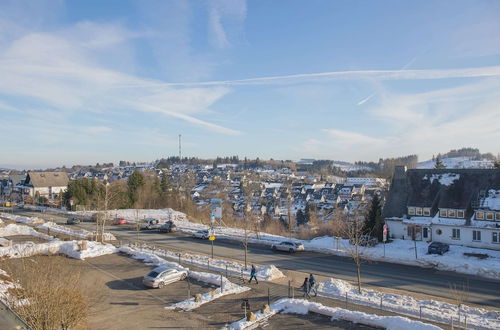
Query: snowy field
x,y
398,251
226,287
300,306
477,318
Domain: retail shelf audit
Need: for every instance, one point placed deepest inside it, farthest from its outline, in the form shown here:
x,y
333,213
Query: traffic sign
x,y
211,238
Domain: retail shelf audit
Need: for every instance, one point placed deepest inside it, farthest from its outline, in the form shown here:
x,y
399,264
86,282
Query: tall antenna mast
x,y
180,150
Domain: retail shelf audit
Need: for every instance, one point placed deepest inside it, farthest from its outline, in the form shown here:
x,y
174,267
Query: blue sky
x,y
97,81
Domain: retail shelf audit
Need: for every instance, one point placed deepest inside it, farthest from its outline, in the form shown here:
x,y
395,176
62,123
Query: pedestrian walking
x,y
253,274
313,285
305,287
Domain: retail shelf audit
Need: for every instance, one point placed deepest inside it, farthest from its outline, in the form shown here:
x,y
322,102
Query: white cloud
x,y
60,71
231,11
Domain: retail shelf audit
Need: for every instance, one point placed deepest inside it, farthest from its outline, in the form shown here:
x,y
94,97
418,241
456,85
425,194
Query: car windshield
x,y
153,274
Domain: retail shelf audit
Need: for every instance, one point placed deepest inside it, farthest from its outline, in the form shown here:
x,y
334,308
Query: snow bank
x,y
14,230
18,218
264,273
227,288
431,309
80,233
300,306
70,248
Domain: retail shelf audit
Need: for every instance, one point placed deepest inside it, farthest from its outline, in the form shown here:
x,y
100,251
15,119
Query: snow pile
x,y
431,309
227,287
264,273
5,286
300,306
79,233
72,249
14,230
444,179
139,214
18,218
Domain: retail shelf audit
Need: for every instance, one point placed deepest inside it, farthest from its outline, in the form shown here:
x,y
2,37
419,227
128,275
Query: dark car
x,y
168,227
72,221
438,248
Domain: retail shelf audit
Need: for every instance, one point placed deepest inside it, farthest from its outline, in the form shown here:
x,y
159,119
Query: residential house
x,y
46,184
454,206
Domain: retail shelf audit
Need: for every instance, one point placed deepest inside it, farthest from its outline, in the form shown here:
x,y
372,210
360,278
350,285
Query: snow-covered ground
x,y
477,318
403,252
301,306
227,288
79,233
457,162
398,251
53,227
264,273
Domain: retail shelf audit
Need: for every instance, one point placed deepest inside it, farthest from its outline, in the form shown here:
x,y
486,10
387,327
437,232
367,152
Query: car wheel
x,y
291,250
441,253
161,285
183,277
274,248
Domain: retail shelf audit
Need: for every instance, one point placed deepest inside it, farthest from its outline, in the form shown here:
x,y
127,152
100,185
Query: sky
x,y
83,82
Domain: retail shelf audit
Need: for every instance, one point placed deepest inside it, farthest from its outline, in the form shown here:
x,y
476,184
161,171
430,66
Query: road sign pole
x,y
212,249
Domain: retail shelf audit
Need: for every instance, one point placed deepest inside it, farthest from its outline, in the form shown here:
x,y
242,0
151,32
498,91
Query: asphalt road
x,y
402,277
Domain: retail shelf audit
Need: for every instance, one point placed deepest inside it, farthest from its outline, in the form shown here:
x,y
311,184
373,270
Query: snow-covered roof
x,y
492,201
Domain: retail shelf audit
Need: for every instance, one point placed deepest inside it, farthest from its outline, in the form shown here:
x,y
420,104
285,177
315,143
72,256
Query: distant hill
x,y
458,162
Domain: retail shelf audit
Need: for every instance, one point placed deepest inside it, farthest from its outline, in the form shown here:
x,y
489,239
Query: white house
x,y
46,184
454,206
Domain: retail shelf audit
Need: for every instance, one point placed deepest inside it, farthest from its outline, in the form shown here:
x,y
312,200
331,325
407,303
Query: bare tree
x,y
460,294
353,231
47,294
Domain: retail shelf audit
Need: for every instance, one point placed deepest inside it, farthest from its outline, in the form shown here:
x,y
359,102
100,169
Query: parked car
x,y
119,221
365,240
288,246
168,227
149,224
203,234
161,276
438,248
72,221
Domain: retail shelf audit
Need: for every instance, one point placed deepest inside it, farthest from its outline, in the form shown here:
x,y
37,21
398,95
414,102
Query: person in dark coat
x,y
313,286
305,287
253,274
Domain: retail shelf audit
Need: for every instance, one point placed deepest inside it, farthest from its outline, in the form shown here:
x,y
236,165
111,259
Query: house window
x,y
425,233
451,213
495,237
460,214
411,211
427,211
476,235
498,216
489,216
455,233
479,215
443,213
418,211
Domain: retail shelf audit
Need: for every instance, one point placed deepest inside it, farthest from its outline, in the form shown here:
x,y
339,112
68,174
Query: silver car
x,y
288,246
161,276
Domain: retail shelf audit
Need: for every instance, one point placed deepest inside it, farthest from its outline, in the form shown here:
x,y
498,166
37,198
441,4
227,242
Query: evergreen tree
x,y
301,219
165,184
374,224
134,183
439,163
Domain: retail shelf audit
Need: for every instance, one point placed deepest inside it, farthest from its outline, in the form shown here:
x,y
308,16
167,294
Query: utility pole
x,y
180,148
